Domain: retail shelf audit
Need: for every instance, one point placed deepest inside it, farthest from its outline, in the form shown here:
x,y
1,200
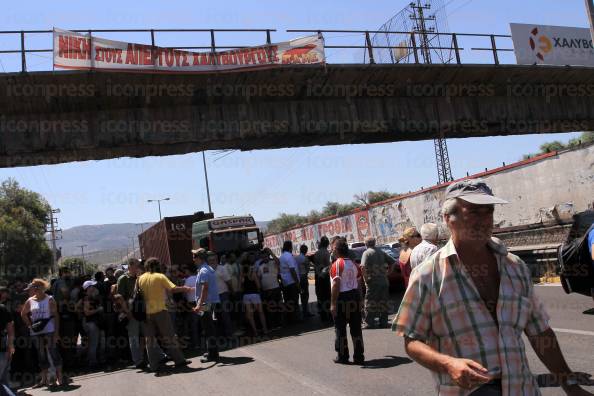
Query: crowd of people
x,y
462,316
89,322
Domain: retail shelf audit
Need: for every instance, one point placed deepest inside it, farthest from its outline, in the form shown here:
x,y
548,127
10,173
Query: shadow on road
x,y
65,388
386,362
551,381
234,361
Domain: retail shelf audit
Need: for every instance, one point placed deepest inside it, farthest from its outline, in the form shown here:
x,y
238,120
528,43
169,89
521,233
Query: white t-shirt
x,y
268,273
421,252
287,262
190,282
223,277
348,273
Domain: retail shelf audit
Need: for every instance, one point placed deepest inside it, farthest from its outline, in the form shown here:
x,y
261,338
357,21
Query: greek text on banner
x,y
77,51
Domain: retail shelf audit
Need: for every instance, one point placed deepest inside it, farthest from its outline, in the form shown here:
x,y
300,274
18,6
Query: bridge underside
x,y
54,117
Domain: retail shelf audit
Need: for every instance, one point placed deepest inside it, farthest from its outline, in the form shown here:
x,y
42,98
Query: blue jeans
x,y
134,328
96,342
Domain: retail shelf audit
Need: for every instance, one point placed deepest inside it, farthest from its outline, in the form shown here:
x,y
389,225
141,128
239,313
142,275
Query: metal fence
x,y
358,44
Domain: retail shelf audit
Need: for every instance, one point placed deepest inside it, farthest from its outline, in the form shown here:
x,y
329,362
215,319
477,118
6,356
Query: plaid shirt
x,y
443,308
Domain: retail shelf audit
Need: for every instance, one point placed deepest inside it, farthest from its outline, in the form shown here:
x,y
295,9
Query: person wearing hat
x,y
467,306
207,296
93,322
40,315
409,240
158,325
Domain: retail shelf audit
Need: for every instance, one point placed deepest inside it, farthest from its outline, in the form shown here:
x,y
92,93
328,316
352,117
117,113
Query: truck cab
x,y
227,234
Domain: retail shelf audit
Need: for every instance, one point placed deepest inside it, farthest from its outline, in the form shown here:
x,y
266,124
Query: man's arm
x,y
25,314
465,373
10,339
548,351
334,296
202,298
592,250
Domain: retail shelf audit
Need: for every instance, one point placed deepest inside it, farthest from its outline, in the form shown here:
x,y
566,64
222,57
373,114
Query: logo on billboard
x,y
540,43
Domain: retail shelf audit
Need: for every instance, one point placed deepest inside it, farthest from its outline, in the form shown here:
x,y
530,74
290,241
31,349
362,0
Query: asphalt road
x,y
299,362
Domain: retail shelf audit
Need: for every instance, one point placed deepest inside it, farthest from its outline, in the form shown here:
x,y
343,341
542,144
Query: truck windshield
x,y
233,241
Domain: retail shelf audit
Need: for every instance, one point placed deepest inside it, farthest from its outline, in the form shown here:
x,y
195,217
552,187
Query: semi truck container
x,y
170,239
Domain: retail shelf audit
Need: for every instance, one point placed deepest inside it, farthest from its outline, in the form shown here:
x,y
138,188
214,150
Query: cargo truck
x,y
227,234
172,239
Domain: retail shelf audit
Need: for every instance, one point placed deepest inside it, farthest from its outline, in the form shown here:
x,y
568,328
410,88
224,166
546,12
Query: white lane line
x,y
571,331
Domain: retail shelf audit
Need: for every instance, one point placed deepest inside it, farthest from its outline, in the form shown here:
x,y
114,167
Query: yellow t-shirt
x,y
154,287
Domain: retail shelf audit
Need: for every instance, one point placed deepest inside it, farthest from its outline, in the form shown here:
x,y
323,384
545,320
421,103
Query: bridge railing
x,y
342,46
375,46
207,39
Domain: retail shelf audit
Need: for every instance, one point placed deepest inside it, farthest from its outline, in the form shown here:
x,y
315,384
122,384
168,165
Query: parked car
x,y
356,245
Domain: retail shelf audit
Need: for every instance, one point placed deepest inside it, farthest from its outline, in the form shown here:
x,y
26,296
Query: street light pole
x,y
206,181
590,8
158,201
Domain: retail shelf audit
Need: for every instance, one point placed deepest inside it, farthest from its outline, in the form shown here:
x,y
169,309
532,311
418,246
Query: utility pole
x,y
206,181
590,8
442,158
82,253
53,223
133,247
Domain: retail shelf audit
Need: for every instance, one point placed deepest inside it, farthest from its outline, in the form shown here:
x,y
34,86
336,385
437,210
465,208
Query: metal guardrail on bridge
x,y
367,47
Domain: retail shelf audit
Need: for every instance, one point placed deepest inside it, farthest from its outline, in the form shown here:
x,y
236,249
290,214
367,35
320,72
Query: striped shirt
x,y
443,308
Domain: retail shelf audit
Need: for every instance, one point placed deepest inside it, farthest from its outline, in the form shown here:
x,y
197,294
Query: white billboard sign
x,y
552,45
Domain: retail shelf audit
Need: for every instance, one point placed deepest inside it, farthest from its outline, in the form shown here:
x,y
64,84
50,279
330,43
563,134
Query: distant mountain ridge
x,y
106,243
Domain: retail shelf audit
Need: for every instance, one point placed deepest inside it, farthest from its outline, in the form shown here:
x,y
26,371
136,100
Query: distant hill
x,y
106,243
99,238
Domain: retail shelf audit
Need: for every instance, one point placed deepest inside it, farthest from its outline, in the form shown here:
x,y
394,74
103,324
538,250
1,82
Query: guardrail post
x,y
91,49
456,49
213,47
23,57
369,48
494,48
413,41
153,52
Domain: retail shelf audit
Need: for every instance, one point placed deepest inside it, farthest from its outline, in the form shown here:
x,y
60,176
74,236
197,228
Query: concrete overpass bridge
x,y
60,116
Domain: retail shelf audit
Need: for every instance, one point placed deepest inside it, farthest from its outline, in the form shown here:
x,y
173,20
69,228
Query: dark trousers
x,y
348,311
210,334
304,284
291,296
492,388
323,295
272,301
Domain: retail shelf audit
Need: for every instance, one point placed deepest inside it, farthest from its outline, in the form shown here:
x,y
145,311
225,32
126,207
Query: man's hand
x,y
467,373
333,310
10,351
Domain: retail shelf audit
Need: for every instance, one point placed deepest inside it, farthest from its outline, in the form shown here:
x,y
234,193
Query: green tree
x,y
285,221
549,147
23,218
77,265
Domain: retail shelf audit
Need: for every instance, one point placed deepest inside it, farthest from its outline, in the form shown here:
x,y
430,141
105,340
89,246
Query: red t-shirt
x,y
348,273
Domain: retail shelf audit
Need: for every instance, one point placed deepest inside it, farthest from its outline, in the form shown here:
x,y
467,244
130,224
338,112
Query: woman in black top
x,y
250,285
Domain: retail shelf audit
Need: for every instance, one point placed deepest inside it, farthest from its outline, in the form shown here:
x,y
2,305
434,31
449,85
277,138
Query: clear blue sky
x,y
263,183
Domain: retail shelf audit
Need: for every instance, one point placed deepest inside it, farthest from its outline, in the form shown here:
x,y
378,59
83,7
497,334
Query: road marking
x,y
571,331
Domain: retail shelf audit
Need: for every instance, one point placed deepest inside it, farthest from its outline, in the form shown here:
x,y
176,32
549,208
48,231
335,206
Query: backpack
x,y
575,262
138,305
